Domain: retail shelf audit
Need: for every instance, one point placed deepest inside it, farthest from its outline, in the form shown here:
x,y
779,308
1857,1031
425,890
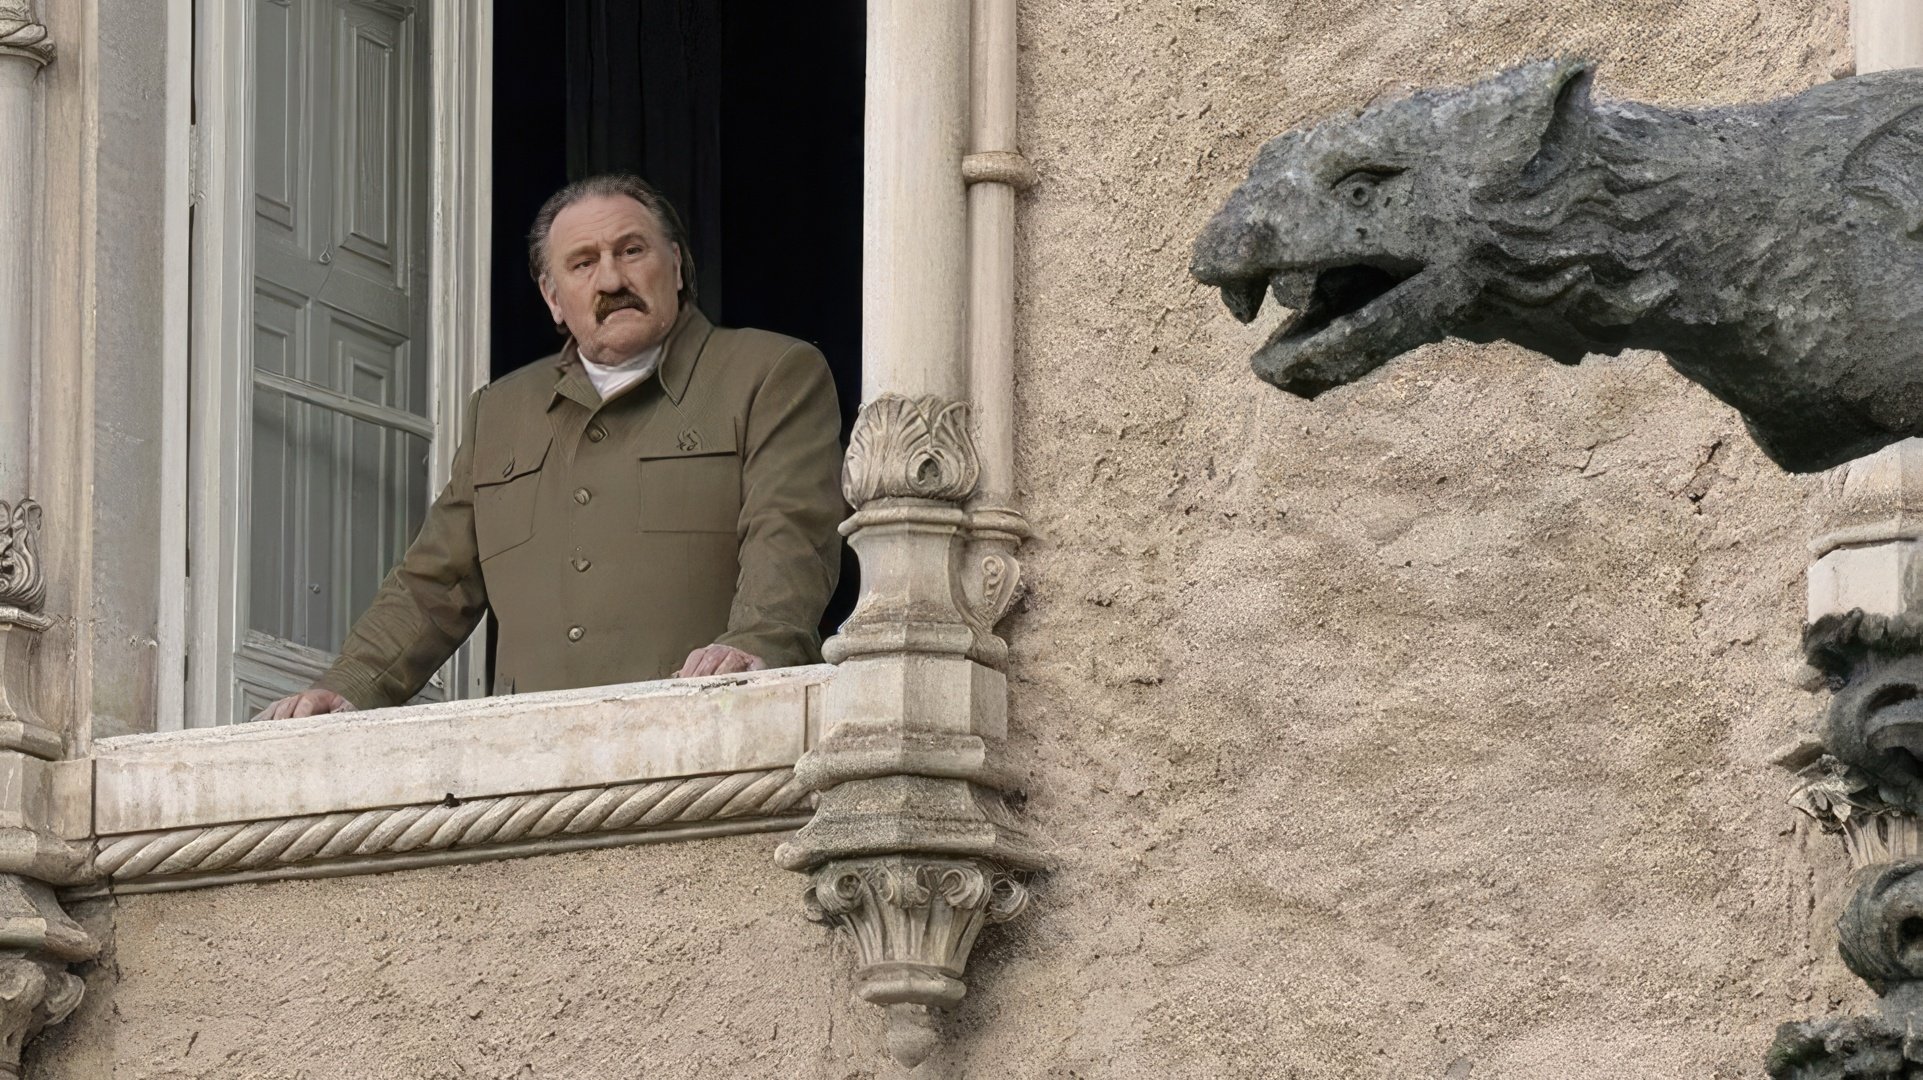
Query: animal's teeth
x,y
1243,299
1293,288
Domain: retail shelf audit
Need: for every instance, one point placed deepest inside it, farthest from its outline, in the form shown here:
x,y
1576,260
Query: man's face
x,y
612,277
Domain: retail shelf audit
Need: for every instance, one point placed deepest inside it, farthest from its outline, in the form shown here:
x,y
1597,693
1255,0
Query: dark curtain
x,y
644,96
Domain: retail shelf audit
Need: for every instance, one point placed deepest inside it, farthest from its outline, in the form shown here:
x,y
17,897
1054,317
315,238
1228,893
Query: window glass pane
x,y
334,502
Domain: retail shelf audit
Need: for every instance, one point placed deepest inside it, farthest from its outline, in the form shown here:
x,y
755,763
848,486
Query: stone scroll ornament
x,y
1862,778
1773,252
21,583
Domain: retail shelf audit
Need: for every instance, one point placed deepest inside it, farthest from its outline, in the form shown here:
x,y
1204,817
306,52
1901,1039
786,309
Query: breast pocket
x,y
505,485
696,490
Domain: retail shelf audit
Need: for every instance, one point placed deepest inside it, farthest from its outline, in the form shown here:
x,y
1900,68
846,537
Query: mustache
x,y
606,304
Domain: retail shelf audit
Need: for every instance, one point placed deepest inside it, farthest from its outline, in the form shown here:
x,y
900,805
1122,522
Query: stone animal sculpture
x,y
1773,252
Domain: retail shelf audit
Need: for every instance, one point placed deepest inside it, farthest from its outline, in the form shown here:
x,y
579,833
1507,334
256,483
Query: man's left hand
x,y
718,660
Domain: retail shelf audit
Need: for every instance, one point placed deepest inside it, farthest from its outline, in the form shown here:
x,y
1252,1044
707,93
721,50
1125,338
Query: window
x,y
325,405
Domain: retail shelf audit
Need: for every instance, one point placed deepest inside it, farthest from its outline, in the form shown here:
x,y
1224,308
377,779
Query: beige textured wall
x,y
670,963
1417,732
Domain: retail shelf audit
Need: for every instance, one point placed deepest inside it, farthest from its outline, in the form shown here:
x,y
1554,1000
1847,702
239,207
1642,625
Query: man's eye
x,y
633,249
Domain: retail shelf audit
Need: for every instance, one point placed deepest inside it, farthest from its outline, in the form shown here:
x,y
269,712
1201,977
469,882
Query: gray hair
x,y
622,184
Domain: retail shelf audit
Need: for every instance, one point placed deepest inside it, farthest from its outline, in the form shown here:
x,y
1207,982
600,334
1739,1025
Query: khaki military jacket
x,y
612,539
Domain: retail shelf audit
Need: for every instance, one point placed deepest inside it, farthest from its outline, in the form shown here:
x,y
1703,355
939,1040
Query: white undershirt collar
x,y
612,380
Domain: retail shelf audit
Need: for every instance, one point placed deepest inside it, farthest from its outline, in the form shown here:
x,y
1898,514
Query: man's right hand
x,y
306,703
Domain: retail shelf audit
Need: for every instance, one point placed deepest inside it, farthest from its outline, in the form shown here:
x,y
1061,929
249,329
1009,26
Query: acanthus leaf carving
x,y
21,583
34,994
23,35
914,921
917,448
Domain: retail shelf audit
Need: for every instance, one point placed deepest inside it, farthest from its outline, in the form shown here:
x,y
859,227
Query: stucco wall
x,y
676,961
1421,731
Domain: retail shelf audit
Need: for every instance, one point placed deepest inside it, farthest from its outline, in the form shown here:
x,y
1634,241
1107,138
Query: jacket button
x,y
575,633
581,496
597,433
583,564
508,468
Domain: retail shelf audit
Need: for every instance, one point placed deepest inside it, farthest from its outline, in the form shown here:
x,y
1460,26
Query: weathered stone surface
x,y
1880,936
1770,251
468,749
1849,1048
1874,724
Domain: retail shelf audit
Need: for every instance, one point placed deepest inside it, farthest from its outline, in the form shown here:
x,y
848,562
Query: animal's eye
x,y
1358,188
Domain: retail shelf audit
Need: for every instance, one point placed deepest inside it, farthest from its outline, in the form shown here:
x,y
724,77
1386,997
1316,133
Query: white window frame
x,y
207,396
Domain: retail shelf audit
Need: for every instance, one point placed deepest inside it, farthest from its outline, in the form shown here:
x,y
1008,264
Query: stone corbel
x,y
43,807
914,845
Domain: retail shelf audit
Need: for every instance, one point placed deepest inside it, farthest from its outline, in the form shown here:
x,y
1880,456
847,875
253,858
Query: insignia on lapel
x,y
690,440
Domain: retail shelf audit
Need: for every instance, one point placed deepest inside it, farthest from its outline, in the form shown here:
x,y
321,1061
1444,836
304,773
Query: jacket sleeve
x,y
790,507
427,606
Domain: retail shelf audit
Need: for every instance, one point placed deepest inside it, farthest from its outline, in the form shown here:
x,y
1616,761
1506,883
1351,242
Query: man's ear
x,y
677,270
548,294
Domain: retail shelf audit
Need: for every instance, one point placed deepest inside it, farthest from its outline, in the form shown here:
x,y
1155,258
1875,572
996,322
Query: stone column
x,y
24,49
1887,34
996,172
914,846
43,802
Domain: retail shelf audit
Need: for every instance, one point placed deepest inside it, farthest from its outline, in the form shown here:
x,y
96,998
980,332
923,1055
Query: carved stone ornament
x,y
1847,801
1874,723
317,840
1851,1048
1880,936
914,921
34,994
1861,778
21,583
37,942
1773,252
23,35
910,448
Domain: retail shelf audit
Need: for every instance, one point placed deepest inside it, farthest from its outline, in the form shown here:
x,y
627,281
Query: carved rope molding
x,y
448,826
23,35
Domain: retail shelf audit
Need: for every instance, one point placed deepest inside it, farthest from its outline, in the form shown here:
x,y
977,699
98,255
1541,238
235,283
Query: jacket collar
x,y
678,356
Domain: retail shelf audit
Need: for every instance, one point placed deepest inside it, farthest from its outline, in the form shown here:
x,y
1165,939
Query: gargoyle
x,y
1774,252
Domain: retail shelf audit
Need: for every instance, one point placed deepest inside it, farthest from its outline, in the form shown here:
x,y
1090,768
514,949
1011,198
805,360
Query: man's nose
x,y
606,278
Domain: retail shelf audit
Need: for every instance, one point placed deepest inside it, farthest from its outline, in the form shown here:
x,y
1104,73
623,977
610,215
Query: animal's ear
x,y
1543,111
1883,167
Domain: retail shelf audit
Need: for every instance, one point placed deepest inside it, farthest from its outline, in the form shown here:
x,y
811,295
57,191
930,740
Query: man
x,y
659,498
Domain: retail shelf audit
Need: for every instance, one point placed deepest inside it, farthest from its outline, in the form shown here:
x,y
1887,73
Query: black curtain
x,y
644,96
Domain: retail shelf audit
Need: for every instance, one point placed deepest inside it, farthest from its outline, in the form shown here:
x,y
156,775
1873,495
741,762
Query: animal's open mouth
x,y
1319,298
1348,319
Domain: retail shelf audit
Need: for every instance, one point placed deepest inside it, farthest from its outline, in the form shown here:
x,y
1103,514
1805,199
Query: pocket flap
x,y
499,464
686,442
